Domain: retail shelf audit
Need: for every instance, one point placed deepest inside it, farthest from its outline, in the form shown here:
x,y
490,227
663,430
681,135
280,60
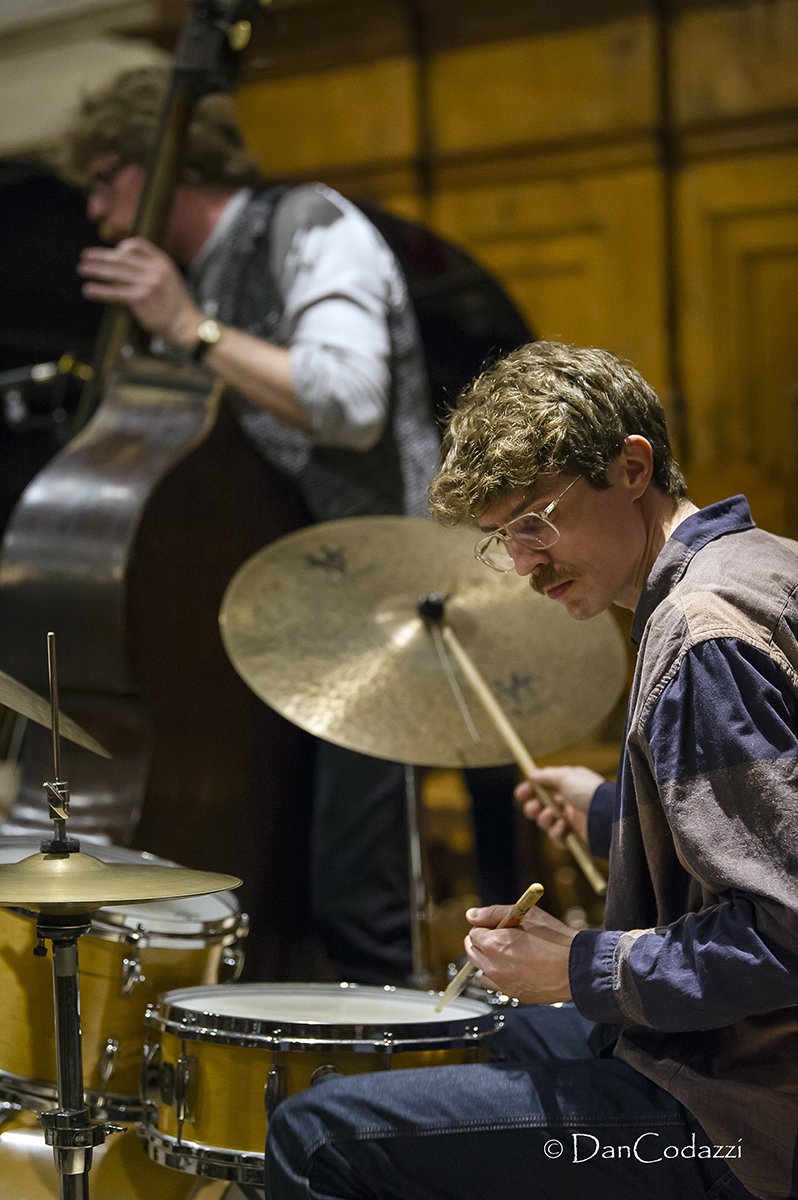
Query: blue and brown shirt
x,y
698,966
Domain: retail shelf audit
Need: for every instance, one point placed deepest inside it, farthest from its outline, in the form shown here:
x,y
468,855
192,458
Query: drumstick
x,y
466,973
522,756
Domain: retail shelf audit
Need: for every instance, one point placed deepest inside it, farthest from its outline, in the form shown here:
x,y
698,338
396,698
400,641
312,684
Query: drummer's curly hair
x,y
122,118
546,408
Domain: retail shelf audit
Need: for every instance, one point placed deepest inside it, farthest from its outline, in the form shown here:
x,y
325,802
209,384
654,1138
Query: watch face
x,y
209,331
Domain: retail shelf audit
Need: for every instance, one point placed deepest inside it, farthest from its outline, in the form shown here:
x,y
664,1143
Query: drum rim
x,y
221,931
212,1162
191,1024
34,1094
109,926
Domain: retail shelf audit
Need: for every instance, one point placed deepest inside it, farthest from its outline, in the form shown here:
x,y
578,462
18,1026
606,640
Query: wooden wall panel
x,y
311,125
740,242
579,254
736,60
548,87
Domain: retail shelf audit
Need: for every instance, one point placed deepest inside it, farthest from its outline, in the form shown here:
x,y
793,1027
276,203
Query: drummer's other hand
x,y
572,787
529,962
141,275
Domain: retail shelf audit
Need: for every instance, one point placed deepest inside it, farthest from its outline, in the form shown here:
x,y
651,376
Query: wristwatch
x,y
208,332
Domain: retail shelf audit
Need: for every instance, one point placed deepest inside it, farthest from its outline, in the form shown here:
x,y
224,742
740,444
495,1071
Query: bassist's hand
x,y
144,277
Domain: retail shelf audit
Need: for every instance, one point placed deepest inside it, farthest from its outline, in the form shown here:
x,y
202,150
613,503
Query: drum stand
x,y
421,977
68,1128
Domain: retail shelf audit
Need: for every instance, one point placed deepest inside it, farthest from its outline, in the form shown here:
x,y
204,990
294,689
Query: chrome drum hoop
x,y
210,1162
172,1015
36,1095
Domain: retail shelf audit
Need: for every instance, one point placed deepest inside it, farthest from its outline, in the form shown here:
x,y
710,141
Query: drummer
x,y
658,1057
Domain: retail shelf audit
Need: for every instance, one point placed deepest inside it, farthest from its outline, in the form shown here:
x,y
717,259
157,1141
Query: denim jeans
x,y
566,1123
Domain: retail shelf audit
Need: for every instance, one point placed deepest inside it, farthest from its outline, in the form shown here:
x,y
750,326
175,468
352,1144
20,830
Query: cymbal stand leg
x,y
419,928
68,1128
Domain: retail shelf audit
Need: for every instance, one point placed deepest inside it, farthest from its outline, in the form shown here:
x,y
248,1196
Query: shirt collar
x,y
695,532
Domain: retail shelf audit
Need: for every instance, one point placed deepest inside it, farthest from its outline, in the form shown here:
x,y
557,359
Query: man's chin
x,y
110,234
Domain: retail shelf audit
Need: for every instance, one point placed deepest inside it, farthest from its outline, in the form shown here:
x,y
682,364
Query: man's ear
x,y
636,464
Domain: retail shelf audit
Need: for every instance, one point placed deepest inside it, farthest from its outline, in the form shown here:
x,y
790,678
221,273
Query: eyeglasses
x,y
532,530
103,181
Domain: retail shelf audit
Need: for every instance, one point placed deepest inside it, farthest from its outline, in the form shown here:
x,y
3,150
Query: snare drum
x,y
131,954
218,1059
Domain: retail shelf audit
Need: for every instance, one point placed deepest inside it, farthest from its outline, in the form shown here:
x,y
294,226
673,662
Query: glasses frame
x,y
103,181
505,537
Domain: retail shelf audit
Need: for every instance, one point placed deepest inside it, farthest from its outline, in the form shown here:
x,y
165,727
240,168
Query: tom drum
x,y
131,954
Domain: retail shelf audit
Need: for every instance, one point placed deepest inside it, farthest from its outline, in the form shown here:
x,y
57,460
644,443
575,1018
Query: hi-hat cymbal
x,y
15,695
324,626
80,883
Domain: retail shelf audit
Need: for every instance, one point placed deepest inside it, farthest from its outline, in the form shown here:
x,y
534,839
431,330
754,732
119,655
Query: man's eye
x,y
526,527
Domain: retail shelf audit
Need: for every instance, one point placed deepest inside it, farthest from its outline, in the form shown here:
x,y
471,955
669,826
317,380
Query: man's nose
x,y
96,205
525,557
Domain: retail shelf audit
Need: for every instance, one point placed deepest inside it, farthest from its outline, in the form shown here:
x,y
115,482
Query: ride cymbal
x,y
21,699
78,882
324,625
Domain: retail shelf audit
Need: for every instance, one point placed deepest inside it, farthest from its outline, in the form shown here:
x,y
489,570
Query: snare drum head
x,y
189,917
297,1007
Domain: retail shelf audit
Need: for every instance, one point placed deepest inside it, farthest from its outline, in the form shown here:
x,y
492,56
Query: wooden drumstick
x,y
522,756
519,909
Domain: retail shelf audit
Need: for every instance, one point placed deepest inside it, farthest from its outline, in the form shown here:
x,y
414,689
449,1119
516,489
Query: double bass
x,y
123,545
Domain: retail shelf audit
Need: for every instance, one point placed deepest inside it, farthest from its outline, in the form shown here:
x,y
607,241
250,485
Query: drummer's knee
x,y
299,1130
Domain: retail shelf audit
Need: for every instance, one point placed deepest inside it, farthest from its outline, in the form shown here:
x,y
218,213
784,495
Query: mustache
x,y
548,577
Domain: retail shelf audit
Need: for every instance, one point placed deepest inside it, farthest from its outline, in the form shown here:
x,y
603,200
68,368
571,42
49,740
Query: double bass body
x,y
123,544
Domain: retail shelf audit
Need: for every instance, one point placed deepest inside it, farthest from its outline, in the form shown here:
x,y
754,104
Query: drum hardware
x,y
132,974
275,1083
108,1064
233,956
151,1079
185,1077
61,885
178,943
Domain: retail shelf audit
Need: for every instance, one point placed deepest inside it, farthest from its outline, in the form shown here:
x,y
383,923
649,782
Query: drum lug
x,y
185,1078
151,1090
132,974
232,964
166,1083
275,1086
107,1070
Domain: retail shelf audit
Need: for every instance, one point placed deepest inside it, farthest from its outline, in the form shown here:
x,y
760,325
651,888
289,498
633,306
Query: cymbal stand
x,y
67,1128
419,928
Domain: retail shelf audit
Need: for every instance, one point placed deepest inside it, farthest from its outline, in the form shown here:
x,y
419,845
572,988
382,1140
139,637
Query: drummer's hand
x,y
141,275
529,962
572,787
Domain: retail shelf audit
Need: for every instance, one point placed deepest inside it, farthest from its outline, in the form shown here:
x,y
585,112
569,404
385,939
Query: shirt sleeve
x,y
722,746
599,820
339,282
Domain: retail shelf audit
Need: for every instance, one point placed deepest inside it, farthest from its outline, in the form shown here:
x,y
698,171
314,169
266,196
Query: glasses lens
x,y
532,530
493,552
529,532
